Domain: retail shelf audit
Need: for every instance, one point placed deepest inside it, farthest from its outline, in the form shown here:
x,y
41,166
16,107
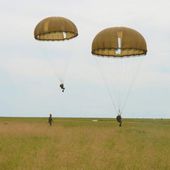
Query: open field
x,y
82,144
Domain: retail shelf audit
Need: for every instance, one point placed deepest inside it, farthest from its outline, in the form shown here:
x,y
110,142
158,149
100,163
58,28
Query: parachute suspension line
x,y
66,66
58,78
121,69
51,62
130,87
62,77
121,79
46,50
106,85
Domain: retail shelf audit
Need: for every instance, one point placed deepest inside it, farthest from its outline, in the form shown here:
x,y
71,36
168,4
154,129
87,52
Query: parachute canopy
x,y
119,42
55,29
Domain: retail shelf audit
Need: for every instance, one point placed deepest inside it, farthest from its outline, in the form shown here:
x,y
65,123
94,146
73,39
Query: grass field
x,y
82,144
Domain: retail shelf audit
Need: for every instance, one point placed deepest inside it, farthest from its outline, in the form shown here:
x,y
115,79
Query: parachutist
x,y
62,87
119,42
50,120
119,119
55,29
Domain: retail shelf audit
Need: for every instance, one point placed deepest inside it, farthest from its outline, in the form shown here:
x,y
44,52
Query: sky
x,y
30,69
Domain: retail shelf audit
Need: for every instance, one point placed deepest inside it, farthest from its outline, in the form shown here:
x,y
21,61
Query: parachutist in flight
x,y
62,87
119,119
55,29
119,42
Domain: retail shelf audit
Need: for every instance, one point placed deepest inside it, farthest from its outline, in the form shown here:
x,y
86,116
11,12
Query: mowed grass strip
x,y
83,144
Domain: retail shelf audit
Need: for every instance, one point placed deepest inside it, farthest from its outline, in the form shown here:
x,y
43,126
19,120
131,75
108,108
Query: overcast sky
x,y
29,69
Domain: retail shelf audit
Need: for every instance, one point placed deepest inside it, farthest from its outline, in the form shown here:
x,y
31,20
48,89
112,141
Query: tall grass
x,y
81,144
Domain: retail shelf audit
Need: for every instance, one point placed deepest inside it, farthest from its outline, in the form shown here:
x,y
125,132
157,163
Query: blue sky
x,y
29,69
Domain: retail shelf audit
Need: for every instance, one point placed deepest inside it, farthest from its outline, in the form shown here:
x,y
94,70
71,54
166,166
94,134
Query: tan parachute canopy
x,y
55,29
119,42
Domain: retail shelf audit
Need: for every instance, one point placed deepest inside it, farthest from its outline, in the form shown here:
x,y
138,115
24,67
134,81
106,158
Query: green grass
x,y
81,144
